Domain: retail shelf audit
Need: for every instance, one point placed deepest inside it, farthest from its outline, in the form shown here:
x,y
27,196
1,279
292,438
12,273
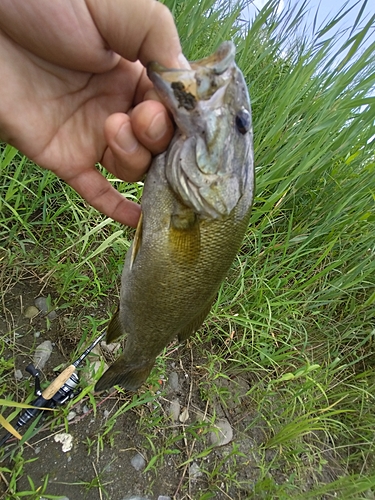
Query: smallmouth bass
x,y
195,210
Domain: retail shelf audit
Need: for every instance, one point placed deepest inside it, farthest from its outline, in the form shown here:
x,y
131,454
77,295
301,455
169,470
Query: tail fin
x,y
128,377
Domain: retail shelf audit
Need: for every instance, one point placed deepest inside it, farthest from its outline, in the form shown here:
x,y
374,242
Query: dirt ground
x,y
166,428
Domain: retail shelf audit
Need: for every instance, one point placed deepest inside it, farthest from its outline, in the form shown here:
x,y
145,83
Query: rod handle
x,y
59,381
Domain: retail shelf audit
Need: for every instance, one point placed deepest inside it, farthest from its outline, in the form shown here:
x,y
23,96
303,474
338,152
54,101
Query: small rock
x,y
134,497
71,416
138,462
194,471
36,335
110,348
85,409
37,450
18,375
184,417
42,304
30,312
223,435
89,375
162,497
52,315
106,413
174,410
66,440
173,381
42,354
93,366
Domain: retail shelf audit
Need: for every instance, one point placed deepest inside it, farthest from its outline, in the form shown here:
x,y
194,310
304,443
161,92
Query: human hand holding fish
x,y
74,90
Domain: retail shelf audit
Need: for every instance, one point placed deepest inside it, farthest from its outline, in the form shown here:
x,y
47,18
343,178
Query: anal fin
x,y
128,377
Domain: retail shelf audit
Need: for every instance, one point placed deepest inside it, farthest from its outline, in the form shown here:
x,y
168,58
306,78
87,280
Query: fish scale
x,y
189,232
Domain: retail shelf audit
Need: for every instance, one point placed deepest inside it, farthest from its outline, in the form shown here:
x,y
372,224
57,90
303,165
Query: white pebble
x,y
66,440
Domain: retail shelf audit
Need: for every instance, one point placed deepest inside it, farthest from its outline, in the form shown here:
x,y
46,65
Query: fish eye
x,y
243,121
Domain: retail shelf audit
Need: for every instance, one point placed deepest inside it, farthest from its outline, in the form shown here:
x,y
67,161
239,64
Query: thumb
x,y
141,29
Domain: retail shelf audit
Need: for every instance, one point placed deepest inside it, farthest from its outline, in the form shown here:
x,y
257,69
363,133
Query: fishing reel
x,y
64,393
61,390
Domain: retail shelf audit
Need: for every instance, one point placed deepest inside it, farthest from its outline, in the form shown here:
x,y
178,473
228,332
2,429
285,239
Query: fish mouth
x,y
181,89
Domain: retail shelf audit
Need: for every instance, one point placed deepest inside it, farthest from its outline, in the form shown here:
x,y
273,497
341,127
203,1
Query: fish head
x,y
210,162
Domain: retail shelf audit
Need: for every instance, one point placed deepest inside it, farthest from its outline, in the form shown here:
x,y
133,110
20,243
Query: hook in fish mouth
x,y
198,83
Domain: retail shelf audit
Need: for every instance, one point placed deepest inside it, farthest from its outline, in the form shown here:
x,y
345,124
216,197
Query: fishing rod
x,y
61,389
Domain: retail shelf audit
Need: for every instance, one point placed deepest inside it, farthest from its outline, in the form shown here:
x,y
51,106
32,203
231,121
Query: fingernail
x,y
158,127
126,140
184,64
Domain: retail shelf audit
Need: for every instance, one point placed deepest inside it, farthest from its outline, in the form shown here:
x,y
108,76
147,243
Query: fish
x,y
195,210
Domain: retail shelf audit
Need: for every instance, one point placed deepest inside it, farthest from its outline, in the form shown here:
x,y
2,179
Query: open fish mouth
x,y
183,88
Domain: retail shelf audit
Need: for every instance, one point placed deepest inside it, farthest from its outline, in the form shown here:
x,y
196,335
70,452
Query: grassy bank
x,y
295,317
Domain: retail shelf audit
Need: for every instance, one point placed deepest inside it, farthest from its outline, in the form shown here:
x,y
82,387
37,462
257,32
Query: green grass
x,y
299,301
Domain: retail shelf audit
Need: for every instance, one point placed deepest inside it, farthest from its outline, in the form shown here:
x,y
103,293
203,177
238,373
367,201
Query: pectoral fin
x,y
184,236
128,377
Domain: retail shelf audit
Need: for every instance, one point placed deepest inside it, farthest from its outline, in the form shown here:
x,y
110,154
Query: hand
x,y
74,90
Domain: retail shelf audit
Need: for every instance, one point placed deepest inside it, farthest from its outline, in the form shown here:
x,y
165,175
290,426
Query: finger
x,y
100,194
92,33
143,30
58,32
152,125
125,157
133,142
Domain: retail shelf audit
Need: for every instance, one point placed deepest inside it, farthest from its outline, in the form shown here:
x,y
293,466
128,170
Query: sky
x,y
326,10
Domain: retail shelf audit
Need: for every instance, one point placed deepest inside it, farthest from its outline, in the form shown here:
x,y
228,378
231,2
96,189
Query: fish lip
x,y
189,85
218,62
